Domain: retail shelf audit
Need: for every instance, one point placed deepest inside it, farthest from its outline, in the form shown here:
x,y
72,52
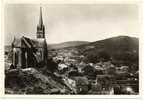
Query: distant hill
x,y
122,49
115,44
67,44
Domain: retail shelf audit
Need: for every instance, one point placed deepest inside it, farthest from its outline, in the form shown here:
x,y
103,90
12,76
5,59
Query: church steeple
x,y
40,17
40,26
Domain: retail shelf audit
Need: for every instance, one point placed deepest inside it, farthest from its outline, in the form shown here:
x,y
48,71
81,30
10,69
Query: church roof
x,y
25,42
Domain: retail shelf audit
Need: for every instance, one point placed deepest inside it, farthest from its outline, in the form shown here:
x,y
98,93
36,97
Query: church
x,y
27,52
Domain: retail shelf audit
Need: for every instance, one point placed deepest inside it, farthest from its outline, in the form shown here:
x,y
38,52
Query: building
x,y
28,52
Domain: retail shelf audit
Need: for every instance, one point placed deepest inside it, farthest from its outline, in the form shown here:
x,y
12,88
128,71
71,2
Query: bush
x,y
51,65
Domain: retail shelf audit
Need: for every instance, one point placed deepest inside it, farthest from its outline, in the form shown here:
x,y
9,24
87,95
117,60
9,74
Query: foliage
x,y
51,65
93,57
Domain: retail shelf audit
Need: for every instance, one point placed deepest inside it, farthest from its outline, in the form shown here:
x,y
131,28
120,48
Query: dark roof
x,y
25,42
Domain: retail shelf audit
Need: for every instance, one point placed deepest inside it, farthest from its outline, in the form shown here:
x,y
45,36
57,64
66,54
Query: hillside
x,y
114,45
121,49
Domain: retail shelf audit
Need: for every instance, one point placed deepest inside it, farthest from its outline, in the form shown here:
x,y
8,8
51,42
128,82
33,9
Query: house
x,y
82,84
106,82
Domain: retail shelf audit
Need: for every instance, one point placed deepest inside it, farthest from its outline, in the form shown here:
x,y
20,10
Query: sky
x,y
71,22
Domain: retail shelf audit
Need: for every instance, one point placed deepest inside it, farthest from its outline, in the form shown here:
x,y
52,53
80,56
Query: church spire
x,y
40,26
40,17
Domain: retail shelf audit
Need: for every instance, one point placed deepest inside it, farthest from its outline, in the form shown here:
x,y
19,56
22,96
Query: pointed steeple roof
x,y
40,26
40,17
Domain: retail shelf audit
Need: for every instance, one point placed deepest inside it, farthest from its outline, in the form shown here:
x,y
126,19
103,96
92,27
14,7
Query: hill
x,y
33,81
121,49
118,44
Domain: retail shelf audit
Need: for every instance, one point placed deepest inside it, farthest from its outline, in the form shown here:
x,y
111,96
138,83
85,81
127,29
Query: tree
x,y
103,56
51,65
96,56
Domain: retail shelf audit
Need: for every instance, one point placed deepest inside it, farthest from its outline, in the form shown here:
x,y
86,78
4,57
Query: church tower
x,y
40,26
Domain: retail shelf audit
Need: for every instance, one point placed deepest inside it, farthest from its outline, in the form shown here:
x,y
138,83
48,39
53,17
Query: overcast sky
x,y
69,22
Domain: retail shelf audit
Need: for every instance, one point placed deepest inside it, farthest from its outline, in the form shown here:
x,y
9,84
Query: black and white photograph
x,y
71,49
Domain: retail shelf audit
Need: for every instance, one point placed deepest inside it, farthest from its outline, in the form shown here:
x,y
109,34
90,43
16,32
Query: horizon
x,y
70,22
86,41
